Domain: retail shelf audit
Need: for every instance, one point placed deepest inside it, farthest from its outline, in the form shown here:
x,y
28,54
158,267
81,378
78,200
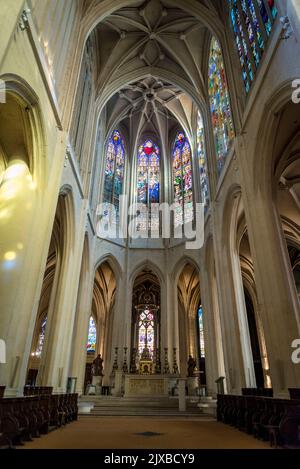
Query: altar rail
x,y
24,418
266,418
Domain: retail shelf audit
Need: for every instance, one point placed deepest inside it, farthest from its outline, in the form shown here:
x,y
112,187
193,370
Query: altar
x,y
146,385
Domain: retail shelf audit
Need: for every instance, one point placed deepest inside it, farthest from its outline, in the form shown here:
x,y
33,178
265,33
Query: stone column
x,y
169,338
181,394
192,383
83,313
25,239
236,372
214,357
121,320
117,389
279,310
56,359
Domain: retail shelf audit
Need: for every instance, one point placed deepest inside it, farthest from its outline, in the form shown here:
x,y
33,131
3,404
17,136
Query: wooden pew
x,y
24,418
266,418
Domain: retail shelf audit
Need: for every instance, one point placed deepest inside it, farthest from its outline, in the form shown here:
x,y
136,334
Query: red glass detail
x,y
148,150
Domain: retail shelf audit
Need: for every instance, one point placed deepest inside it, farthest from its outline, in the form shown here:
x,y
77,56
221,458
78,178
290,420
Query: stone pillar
x,y
236,372
214,356
181,394
25,239
78,355
164,321
279,309
192,383
174,332
117,389
56,359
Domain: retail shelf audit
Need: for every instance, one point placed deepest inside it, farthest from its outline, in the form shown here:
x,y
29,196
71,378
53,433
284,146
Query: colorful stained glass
x,y
148,185
219,104
114,172
255,21
41,338
204,184
252,29
201,332
92,336
146,332
240,39
248,19
183,180
264,15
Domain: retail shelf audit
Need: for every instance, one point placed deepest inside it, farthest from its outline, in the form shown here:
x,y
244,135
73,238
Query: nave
x,y
150,218
131,433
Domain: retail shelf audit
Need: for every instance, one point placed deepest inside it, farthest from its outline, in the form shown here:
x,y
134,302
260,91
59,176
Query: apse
x,y
146,324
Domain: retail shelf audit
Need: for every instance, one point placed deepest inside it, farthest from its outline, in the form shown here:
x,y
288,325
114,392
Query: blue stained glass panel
x,y
182,180
249,19
219,104
114,170
92,336
148,184
204,184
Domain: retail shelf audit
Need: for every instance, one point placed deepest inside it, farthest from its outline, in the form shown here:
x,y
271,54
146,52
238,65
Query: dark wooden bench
x,y
24,418
266,418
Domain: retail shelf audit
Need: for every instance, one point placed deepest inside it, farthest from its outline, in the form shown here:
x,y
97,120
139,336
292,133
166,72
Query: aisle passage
x,y
141,432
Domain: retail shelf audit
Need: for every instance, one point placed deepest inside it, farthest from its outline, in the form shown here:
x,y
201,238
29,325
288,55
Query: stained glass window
x,y
92,336
114,172
41,338
204,185
148,185
201,332
219,104
183,181
252,22
146,332
241,44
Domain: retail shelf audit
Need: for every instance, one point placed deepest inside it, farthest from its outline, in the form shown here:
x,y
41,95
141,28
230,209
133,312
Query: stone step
x,y
157,409
139,413
139,406
134,402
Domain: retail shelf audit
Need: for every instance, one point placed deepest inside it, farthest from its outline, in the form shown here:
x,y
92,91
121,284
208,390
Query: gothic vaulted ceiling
x,y
150,54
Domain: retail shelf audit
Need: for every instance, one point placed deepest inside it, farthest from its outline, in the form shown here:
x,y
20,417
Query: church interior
x,y
150,223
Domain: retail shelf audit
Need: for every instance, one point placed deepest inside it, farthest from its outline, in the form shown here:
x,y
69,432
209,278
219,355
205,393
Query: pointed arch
x,y
113,263
149,265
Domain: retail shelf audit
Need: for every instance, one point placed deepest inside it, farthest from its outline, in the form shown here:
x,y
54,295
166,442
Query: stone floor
x,y
146,433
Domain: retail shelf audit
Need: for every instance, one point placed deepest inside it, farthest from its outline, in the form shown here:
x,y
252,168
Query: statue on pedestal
x,y
97,366
191,366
